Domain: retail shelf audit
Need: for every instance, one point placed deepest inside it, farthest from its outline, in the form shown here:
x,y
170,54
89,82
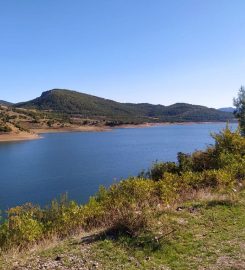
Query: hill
x,y
24,124
11,124
86,106
227,109
5,103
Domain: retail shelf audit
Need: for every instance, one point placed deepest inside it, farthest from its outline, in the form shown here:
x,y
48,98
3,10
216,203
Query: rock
x,y
58,258
95,265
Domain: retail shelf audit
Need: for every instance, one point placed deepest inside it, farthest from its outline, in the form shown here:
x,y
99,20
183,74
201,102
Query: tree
x,y
239,103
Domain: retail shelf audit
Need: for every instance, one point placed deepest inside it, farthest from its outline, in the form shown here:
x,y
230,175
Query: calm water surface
x,y
78,163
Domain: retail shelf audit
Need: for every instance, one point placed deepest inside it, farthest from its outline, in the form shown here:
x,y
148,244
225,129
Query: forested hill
x,y
227,109
88,106
5,103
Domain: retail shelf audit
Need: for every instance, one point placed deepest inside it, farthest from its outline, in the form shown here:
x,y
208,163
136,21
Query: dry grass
x,y
211,237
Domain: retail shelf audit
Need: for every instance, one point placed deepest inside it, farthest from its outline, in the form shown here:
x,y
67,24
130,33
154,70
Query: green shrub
x,y
229,142
185,162
22,226
94,214
62,217
5,128
129,219
204,160
123,206
159,169
168,188
191,180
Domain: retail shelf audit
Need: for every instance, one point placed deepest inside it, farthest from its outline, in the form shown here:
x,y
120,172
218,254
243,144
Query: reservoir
x,y
78,163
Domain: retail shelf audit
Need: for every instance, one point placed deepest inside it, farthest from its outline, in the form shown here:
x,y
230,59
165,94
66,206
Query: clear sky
x,y
157,51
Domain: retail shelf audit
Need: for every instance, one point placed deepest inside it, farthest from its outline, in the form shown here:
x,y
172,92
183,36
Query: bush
x,y
159,169
5,128
204,160
185,162
62,217
22,226
130,220
168,188
229,142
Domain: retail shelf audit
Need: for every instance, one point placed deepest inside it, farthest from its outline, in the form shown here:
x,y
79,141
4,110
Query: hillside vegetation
x,y
184,215
227,109
5,103
17,120
114,113
10,120
69,110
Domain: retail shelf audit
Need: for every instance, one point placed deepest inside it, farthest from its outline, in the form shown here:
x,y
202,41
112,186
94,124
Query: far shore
x,y
145,125
108,128
22,136
35,133
72,129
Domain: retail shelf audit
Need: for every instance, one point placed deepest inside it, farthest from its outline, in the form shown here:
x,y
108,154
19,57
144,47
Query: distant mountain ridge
x,y
5,103
87,106
227,109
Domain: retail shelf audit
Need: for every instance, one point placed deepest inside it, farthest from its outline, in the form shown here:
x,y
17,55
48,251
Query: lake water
x,y
78,163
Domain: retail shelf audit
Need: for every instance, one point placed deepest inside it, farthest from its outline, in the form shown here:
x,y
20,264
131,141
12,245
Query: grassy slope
x,y
11,120
18,119
84,105
208,233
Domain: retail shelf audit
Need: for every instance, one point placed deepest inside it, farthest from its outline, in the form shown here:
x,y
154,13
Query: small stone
x,y
95,265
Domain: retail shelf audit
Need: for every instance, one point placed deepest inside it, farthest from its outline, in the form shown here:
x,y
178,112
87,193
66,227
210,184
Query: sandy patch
x,y
71,129
22,136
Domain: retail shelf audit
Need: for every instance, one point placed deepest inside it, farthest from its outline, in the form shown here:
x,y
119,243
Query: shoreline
x,y
35,133
15,137
108,128
71,129
148,125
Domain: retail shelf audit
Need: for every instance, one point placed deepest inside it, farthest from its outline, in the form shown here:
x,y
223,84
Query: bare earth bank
x,y
34,134
22,136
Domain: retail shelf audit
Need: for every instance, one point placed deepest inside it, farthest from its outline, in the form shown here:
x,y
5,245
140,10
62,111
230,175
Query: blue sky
x,y
157,51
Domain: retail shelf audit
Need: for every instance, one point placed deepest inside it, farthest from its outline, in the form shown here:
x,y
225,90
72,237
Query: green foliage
x,y
168,187
114,113
220,165
158,170
239,103
5,128
62,219
204,160
229,142
21,227
124,205
185,162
